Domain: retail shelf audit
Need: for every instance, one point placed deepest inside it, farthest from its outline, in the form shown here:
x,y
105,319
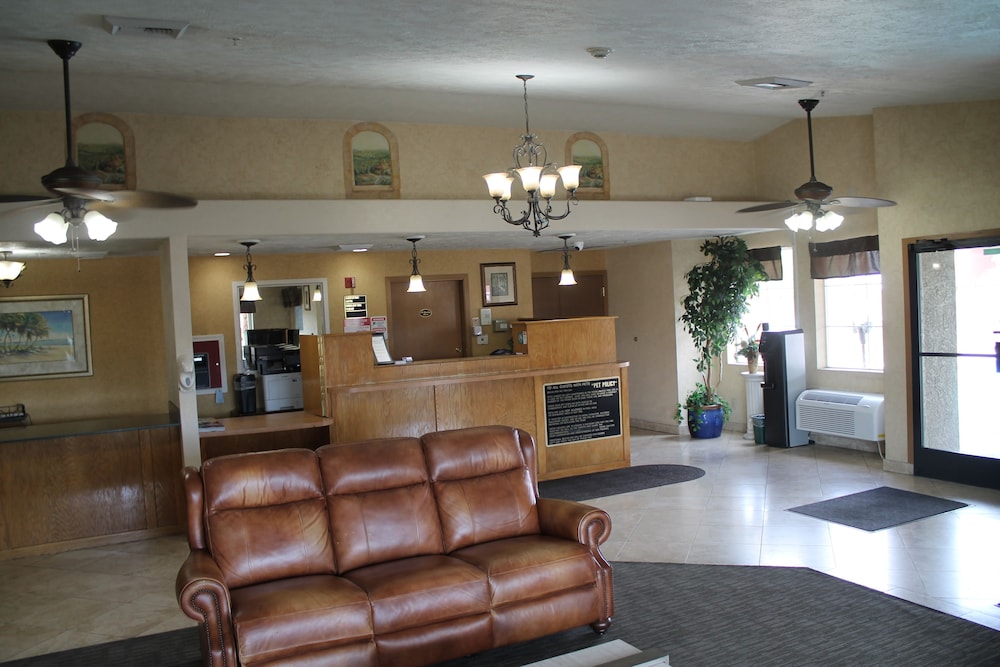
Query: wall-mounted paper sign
x,y
380,324
356,324
356,305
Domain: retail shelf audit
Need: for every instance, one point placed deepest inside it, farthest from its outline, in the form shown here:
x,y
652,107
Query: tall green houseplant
x,y
718,291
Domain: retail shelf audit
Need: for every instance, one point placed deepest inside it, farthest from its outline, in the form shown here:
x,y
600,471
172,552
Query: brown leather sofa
x,y
398,551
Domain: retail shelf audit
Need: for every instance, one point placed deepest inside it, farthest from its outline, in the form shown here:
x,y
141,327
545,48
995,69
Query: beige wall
x,y
126,326
940,162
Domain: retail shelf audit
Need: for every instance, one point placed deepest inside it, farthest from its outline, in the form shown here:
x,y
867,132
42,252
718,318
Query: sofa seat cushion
x,y
531,567
420,591
298,615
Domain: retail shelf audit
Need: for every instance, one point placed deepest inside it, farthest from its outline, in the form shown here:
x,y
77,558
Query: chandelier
x,y
538,177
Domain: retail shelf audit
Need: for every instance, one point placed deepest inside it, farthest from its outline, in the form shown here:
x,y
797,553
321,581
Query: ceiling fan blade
x,y
773,206
87,193
143,199
861,202
8,199
36,202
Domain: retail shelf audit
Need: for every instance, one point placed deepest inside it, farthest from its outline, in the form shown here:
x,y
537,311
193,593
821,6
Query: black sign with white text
x,y
583,410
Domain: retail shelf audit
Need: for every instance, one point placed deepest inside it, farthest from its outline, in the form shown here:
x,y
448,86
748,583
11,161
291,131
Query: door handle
x,y
996,352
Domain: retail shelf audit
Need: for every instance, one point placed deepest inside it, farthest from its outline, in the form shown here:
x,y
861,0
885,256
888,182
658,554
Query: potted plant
x,y
718,291
749,348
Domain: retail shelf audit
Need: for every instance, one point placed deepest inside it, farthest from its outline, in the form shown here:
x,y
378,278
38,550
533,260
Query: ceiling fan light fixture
x,y
53,228
799,221
99,226
828,221
9,270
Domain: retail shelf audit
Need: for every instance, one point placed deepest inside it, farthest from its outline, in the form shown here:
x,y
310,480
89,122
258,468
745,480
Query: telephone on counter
x,y
13,415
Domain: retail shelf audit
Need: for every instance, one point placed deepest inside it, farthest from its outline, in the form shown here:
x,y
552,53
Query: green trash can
x,y
758,429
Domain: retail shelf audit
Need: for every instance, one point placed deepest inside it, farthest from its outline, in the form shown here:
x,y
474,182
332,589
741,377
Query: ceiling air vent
x,y
118,25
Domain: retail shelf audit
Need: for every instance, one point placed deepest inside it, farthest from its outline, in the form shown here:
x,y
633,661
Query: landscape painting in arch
x,y
105,145
371,162
588,150
45,337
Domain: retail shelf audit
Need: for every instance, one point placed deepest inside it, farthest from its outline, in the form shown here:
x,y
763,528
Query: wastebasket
x,y
245,386
758,429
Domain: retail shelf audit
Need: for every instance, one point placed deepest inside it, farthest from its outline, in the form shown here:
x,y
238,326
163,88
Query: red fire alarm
x,y
350,283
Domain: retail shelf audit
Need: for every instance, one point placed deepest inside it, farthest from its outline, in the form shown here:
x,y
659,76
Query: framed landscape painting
x,y
45,337
105,145
371,162
588,150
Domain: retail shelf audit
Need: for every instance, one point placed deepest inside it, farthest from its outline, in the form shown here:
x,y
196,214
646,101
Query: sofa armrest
x,y
572,520
202,595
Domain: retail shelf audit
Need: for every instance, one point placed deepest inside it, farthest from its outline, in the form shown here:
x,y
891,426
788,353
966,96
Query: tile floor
x,y
735,514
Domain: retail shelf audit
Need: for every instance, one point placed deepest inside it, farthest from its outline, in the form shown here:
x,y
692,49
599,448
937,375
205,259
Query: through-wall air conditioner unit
x,y
860,416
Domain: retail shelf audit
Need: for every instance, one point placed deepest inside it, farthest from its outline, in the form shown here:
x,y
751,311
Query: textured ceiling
x,y
672,71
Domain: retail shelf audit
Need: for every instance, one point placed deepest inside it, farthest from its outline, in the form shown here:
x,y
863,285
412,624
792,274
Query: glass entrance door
x,y
955,297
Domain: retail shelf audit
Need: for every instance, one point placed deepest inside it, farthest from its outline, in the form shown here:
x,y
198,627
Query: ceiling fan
x,y
814,195
78,190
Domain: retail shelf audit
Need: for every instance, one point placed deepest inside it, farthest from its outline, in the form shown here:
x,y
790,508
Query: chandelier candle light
x,y
538,178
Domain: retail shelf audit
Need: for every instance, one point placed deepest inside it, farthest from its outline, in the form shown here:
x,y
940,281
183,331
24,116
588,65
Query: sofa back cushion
x,y
484,482
380,500
265,516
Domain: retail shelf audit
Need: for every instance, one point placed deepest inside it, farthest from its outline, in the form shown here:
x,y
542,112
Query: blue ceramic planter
x,y
706,422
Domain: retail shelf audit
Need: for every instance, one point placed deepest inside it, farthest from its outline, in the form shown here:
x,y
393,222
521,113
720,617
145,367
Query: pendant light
x,y
416,281
566,277
250,291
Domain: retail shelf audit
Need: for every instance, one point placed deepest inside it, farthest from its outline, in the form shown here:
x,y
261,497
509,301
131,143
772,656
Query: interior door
x,y
955,330
427,325
588,298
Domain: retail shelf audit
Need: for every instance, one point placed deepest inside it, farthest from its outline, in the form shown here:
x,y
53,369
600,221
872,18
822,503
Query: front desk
x,y
563,385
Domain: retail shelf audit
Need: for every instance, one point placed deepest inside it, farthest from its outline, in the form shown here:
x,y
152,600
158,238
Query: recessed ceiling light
x,y
354,247
222,253
774,83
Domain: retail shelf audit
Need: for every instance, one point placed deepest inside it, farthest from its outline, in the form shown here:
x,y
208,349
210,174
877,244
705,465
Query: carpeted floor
x,y
879,508
613,482
701,615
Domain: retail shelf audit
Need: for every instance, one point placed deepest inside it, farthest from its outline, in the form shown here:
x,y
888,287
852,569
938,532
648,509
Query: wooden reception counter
x,y
563,385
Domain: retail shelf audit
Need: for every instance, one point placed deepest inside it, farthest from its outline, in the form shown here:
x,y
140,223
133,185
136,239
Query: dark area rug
x,y
701,615
613,482
879,508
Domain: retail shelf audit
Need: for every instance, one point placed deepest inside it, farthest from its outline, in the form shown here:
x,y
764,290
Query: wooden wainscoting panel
x,y
383,413
74,487
501,401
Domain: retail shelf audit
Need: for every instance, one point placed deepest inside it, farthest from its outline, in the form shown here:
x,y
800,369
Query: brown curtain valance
x,y
849,257
770,259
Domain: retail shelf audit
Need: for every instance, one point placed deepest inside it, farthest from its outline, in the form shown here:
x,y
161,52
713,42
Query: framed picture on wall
x,y
43,337
371,162
499,284
588,150
104,144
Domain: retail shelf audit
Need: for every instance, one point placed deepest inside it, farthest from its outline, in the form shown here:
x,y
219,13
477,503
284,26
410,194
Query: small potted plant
x,y
749,348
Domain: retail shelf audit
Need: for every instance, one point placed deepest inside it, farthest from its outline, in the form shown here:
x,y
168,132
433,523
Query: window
x,y
774,304
852,326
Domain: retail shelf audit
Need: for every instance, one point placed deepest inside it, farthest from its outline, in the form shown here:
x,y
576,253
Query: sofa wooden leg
x,y
600,627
